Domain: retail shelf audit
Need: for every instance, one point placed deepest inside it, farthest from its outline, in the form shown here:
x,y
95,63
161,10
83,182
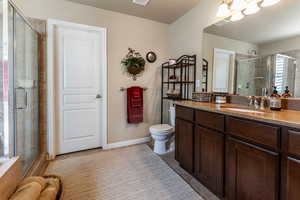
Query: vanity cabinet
x,y
291,166
184,136
237,158
252,172
291,181
209,159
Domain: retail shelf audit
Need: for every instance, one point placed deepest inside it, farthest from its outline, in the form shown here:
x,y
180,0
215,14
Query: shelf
x,y
185,71
179,82
175,99
175,66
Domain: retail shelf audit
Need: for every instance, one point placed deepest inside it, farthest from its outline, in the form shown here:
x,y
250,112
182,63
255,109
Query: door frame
x,y
51,126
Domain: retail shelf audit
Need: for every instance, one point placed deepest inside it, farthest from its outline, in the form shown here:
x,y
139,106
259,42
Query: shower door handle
x,y
21,98
98,96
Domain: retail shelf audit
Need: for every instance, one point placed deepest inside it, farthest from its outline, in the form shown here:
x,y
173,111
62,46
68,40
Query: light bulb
x,y
237,16
223,10
238,5
251,9
267,3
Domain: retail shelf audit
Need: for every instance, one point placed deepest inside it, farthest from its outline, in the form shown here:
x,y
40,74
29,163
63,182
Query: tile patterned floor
x,y
130,173
172,163
194,183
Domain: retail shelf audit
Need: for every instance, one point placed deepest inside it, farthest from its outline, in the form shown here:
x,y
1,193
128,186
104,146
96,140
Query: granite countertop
x,y
288,118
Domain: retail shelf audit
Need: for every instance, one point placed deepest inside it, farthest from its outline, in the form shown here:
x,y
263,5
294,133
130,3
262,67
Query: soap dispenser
x,y
287,93
275,100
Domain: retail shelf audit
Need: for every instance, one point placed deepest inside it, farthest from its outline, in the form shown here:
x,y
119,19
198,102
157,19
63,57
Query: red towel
x,y
135,105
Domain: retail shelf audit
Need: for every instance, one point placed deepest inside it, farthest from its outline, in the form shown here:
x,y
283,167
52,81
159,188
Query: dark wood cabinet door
x,y
291,190
184,136
252,173
209,159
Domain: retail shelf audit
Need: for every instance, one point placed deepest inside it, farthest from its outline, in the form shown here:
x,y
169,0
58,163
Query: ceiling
x,y
278,22
165,11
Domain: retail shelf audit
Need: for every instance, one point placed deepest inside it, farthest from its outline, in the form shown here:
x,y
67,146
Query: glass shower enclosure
x,y
257,76
19,98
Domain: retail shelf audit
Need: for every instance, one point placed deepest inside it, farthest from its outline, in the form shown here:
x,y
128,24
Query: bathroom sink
x,y
244,110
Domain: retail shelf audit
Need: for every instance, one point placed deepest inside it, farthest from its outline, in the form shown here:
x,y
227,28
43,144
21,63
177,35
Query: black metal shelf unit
x,y
204,75
185,71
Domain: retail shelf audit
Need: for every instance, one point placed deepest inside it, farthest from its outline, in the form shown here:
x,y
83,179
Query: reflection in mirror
x,y
264,52
222,72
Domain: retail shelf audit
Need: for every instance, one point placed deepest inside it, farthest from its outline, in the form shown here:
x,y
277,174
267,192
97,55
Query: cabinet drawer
x,y
293,142
210,120
254,131
185,113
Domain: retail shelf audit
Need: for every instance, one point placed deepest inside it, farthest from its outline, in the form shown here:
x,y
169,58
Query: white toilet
x,y
162,133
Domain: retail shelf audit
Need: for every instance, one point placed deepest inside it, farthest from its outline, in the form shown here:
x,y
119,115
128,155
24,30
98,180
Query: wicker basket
x,y
60,194
202,96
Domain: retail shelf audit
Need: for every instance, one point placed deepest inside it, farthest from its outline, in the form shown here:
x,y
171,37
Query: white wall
x,y
211,41
123,31
280,46
186,33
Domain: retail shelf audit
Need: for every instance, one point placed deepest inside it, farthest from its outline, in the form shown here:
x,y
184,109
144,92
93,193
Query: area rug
x,y
131,173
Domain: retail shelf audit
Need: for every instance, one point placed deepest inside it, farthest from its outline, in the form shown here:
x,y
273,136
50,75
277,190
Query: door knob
x,y
98,96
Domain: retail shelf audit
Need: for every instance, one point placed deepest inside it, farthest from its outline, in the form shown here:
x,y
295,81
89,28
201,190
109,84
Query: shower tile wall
x,y
252,75
40,26
26,92
296,54
260,78
245,71
1,87
20,94
297,78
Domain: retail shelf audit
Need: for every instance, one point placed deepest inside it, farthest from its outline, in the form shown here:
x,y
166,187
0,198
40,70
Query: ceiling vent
x,y
141,2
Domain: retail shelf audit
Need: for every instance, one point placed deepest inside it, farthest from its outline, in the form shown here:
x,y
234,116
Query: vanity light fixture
x,y
267,3
223,10
141,2
237,16
238,5
237,9
251,9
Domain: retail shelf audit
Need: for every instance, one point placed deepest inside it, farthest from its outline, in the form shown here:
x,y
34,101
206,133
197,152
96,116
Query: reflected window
x,y
284,70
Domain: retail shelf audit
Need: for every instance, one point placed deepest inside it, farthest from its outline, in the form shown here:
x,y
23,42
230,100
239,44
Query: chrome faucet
x,y
257,102
264,102
251,101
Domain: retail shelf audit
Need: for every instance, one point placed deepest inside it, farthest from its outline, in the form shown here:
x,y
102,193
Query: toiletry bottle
x,y
287,93
275,100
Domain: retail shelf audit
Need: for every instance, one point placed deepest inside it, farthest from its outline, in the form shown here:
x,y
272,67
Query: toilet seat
x,y
161,129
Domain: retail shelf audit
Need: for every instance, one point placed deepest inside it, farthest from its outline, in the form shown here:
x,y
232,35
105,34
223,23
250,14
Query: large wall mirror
x,y
250,56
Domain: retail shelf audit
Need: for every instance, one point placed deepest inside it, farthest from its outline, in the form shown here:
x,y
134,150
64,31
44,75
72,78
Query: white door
x,y
223,71
77,88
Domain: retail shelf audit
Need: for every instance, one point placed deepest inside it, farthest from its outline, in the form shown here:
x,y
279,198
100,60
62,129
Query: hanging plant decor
x,y
134,63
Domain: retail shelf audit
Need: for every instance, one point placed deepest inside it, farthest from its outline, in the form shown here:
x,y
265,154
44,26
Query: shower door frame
x,y
10,48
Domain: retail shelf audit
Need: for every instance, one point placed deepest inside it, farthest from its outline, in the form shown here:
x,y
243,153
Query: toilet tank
x,y
172,116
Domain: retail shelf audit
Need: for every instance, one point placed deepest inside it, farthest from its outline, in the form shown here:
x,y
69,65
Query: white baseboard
x,y
128,143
